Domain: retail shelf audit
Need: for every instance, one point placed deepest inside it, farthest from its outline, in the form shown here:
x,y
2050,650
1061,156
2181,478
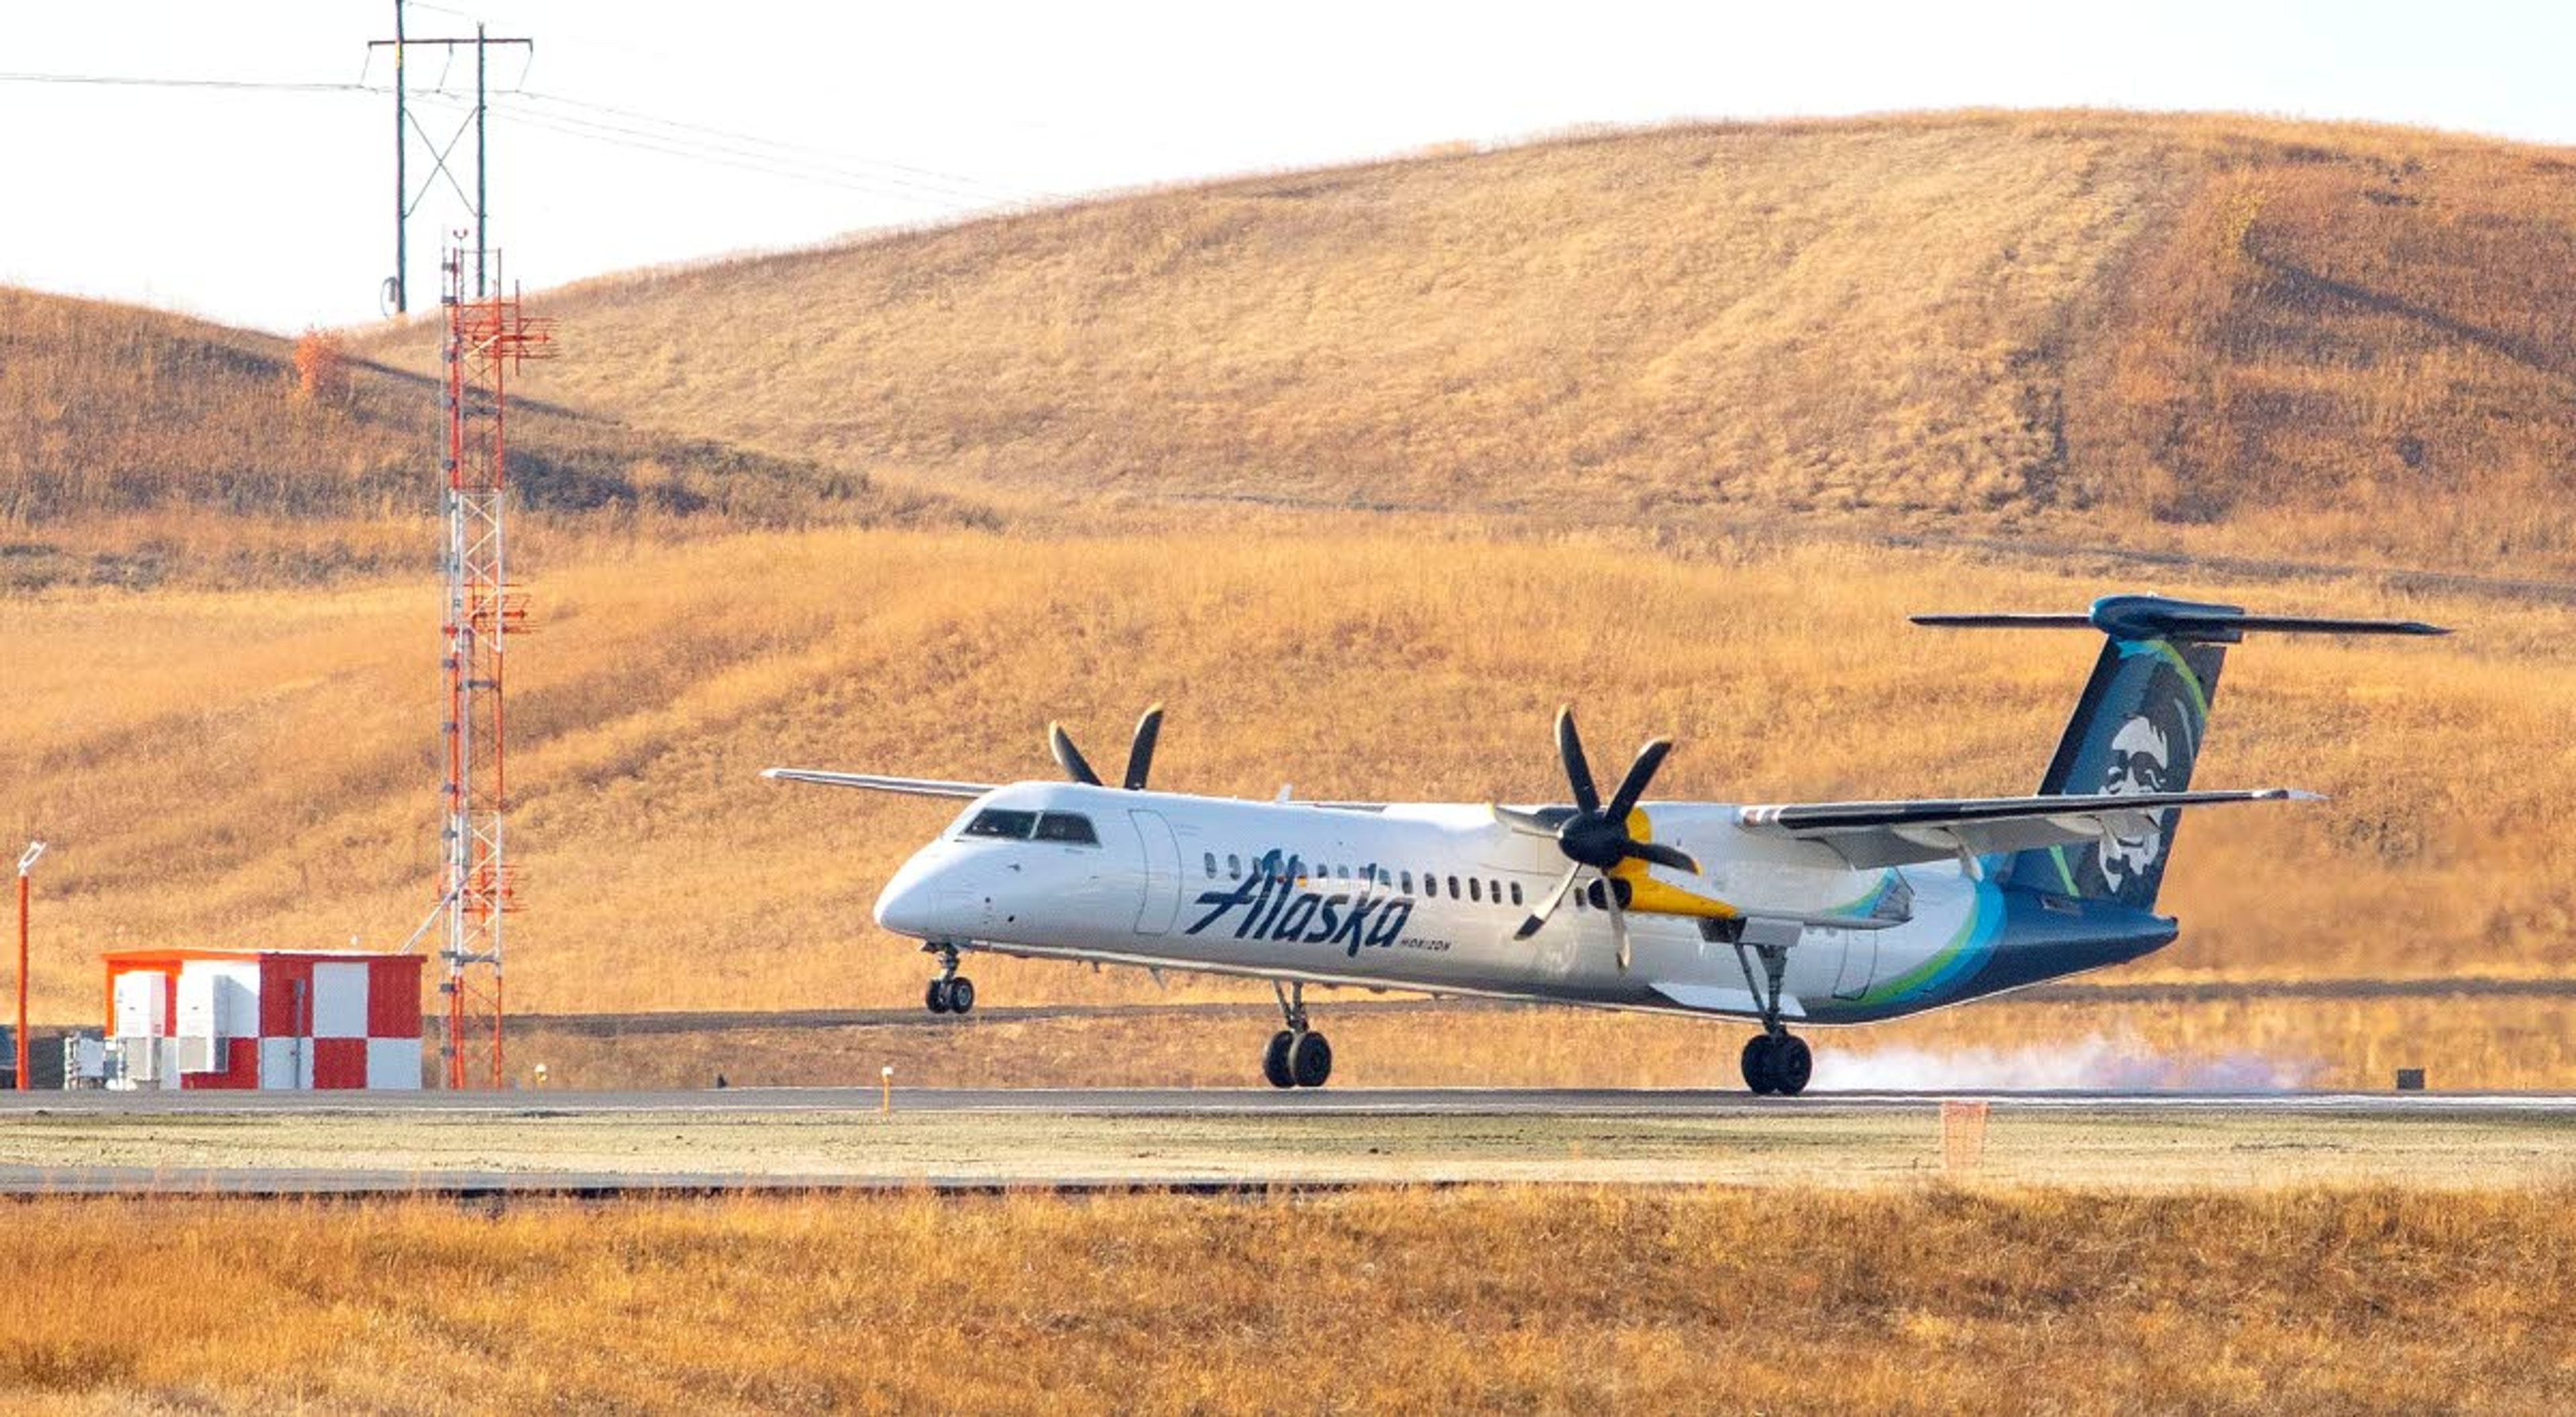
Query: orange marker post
x,y
26,863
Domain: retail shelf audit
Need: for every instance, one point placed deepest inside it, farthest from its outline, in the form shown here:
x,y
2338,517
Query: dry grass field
x,y
138,447
1520,1299
2224,332
256,766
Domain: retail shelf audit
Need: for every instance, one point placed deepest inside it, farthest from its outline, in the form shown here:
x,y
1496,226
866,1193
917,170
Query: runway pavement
x,y
596,1145
1258,1102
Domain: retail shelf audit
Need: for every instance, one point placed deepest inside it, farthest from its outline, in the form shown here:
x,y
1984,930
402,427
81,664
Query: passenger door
x,y
1162,856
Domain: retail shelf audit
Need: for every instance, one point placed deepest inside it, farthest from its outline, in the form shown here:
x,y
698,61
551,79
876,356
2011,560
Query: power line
x,y
833,155
147,81
638,131
747,159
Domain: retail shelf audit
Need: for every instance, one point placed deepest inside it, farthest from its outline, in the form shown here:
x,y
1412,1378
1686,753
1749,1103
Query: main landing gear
x,y
1297,1056
1776,1062
951,992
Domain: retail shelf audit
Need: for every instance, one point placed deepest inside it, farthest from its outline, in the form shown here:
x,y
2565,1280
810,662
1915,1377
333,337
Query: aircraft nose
x,y
905,905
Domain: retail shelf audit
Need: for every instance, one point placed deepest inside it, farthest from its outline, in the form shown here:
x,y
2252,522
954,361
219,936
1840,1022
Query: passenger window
x,y
1453,888
1233,867
1211,865
1002,822
1296,869
1516,892
1472,892
1342,871
1067,827
1408,883
1494,891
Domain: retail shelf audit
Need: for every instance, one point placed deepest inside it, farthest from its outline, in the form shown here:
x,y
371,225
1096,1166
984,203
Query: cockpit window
x,y
1003,822
1067,826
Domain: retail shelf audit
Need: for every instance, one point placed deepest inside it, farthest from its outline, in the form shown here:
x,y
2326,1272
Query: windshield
x,y
1015,824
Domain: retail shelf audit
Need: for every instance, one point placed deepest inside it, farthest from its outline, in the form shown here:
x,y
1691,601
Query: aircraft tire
x,y
961,994
1310,1059
1758,1072
935,998
1274,1059
1792,1063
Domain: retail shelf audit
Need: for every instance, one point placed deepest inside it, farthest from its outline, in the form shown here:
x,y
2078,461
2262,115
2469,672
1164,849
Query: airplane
x,y
1807,913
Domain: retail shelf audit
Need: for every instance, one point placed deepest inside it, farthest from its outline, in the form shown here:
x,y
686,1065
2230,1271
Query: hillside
x,y
258,766
2224,333
136,444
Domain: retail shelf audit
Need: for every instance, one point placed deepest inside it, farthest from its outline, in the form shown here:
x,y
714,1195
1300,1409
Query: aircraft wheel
x,y
1274,1059
961,994
1758,1073
936,997
1310,1059
1792,1063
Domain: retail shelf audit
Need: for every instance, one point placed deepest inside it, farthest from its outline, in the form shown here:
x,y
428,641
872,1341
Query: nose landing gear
x,y
951,992
1297,1056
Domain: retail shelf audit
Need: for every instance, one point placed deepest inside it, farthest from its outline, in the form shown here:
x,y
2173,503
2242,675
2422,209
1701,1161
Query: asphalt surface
x,y
1254,1102
1221,1142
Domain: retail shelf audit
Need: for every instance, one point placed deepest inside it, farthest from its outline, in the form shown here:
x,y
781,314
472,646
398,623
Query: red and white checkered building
x,y
265,1018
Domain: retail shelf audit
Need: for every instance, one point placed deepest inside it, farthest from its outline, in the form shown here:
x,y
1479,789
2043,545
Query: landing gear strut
x,y
1297,1056
951,992
1775,1060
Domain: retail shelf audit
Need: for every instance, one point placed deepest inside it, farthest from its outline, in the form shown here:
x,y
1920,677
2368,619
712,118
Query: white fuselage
x,y
1423,897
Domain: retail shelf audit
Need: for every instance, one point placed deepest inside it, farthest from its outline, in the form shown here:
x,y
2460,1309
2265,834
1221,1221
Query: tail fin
x,y
2140,724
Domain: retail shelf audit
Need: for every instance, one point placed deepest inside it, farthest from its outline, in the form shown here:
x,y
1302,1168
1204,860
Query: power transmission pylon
x,y
487,337
407,126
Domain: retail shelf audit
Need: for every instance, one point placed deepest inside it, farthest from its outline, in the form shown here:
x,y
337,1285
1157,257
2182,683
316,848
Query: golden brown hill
x,y
2221,332
258,767
121,429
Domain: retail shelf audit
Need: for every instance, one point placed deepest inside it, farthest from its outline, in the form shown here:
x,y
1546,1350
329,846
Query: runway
x,y
1255,1102
598,1145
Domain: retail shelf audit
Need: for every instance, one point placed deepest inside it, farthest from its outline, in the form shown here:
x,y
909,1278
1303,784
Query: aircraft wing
x,y
1874,834
912,786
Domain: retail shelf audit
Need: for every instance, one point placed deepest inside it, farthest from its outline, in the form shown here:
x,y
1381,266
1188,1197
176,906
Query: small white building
x,y
262,1019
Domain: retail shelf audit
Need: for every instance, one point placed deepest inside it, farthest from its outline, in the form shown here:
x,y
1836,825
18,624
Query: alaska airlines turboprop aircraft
x,y
1812,912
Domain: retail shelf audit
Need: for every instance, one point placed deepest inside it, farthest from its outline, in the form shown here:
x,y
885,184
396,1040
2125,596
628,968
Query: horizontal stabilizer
x,y
909,786
1868,835
2154,617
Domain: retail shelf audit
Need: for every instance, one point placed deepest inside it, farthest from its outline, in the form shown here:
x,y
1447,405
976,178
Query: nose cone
x,y
905,905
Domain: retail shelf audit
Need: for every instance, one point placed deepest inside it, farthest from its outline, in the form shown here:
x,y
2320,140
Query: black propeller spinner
x,y
1140,754
1595,836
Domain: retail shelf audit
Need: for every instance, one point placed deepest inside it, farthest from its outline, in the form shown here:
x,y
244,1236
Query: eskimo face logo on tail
x,y
1275,905
2141,761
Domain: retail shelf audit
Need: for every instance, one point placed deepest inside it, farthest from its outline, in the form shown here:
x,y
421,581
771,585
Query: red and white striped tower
x,y
487,336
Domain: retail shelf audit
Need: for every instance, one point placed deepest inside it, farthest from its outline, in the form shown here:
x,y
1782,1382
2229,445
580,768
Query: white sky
x,y
274,209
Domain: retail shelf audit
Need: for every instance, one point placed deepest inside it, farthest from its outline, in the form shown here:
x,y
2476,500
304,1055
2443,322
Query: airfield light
x,y
885,1076
26,864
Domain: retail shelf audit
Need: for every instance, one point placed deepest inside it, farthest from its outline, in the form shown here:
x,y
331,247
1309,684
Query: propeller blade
x,y
1555,898
1633,786
1526,823
1618,926
1578,772
1068,756
1140,756
1663,855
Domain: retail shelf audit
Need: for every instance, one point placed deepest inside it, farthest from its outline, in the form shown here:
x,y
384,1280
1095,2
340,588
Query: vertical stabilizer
x,y
2140,725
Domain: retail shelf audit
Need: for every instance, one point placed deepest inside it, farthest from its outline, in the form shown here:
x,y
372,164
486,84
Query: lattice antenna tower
x,y
487,338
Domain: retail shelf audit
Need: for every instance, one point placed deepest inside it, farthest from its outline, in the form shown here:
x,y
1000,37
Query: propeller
x,y
1140,753
1595,836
